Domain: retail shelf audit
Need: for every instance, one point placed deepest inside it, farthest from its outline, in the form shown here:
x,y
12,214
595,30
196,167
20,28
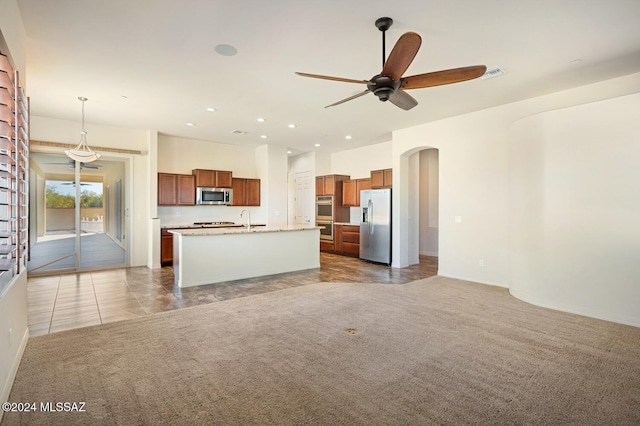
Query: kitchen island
x,y
213,255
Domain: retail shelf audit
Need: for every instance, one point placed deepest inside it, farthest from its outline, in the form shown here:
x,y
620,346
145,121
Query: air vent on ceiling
x,y
240,132
492,72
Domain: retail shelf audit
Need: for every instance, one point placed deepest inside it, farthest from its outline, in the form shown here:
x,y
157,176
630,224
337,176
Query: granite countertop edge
x,y
191,226
242,230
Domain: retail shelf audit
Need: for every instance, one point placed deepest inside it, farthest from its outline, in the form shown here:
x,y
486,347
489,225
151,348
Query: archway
x,y
416,206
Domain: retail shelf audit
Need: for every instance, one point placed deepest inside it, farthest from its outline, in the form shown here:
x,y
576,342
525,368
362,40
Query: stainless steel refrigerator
x,y
375,225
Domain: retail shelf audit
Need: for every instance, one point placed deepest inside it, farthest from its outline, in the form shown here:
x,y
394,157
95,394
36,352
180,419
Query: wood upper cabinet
x,y
213,178
381,178
167,189
253,192
351,191
330,184
246,192
325,185
186,190
176,190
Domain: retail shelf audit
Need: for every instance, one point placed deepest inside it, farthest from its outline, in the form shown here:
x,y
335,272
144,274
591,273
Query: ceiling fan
x,y
389,85
72,165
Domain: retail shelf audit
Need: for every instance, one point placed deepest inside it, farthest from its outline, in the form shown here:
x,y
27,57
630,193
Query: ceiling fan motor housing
x,y
383,87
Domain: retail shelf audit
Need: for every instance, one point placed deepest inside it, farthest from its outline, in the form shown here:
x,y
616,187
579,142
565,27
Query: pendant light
x,y
82,152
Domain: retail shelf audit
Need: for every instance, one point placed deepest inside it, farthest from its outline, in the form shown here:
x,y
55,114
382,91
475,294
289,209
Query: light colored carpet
x,y
435,351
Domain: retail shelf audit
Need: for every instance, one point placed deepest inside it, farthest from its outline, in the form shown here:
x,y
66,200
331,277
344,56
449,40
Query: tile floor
x,y
63,302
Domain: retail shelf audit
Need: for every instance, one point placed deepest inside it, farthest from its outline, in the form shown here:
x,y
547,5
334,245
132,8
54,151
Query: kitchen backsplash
x,y
188,215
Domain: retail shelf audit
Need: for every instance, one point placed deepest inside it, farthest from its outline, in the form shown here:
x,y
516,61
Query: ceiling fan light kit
x,y
82,152
390,85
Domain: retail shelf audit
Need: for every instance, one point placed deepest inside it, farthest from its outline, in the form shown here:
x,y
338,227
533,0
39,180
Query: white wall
x,y
116,172
475,181
428,223
68,131
575,204
271,162
359,162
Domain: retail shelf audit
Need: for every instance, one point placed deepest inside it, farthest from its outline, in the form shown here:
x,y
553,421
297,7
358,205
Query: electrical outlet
x,y
458,219
481,262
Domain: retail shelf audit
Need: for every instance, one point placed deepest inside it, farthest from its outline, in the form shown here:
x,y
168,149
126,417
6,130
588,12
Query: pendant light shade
x,y
82,152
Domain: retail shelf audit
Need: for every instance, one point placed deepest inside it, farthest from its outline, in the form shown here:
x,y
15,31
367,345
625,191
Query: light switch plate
x,y
458,219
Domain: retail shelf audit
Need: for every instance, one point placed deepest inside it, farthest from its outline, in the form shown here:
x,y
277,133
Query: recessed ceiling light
x,y
576,61
190,124
292,126
239,132
263,136
124,97
226,50
317,144
261,120
348,137
288,151
211,109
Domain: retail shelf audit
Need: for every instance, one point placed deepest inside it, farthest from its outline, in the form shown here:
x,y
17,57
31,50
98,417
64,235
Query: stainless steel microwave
x,y
214,196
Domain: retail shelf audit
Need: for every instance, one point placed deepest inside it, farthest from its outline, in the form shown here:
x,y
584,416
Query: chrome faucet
x,y
248,217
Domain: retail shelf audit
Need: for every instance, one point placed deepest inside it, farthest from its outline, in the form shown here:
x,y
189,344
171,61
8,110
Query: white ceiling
x,y
160,54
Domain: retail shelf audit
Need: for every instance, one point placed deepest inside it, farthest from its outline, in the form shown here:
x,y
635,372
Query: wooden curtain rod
x,y
95,148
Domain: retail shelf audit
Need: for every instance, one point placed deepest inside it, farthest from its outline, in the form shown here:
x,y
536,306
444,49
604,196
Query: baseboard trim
x,y
428,253
473,280
6,388
576,310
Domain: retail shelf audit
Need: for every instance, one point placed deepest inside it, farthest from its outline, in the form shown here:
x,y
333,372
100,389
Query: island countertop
x,y
240,230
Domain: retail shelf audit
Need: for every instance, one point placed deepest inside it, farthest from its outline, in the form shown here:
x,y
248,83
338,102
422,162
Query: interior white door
x,y
304,198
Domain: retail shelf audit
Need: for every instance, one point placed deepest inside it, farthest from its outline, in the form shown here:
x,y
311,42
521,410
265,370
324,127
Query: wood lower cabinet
x,y
326,246
176,190
246,192
166,248
346,241
213,178
350,240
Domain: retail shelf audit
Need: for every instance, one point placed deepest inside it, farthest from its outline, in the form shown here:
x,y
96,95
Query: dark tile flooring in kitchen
x,y
63,302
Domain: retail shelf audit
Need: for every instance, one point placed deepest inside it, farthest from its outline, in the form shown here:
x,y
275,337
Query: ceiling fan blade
x,y
349,98
326,77
402,55
438,78
403,100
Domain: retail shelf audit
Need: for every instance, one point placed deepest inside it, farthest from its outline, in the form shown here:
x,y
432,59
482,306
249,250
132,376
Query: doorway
x,y
72,208
419,231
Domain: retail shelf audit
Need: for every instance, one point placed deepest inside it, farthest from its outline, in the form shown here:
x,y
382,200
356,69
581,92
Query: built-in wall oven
x,y
324,216
324,207
326,229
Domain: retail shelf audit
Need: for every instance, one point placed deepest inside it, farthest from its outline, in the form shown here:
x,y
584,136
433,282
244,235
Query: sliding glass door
x,y
74,205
